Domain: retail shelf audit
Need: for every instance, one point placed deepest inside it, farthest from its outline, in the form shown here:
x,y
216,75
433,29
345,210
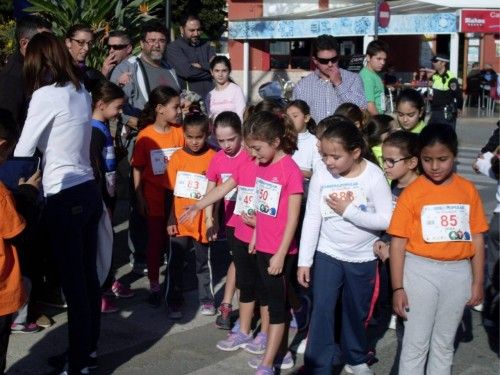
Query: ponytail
x,y
267,127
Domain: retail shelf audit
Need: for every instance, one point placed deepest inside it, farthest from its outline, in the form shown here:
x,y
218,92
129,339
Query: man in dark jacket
x,y
12,92
190,57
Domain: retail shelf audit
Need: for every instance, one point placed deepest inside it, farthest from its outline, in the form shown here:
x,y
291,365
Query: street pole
x,y
375,26
168,15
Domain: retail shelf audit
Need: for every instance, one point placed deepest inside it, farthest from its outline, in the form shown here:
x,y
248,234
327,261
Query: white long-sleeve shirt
x,y
349,237
58,124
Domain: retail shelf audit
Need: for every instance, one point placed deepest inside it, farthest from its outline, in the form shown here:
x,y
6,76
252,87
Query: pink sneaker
x,y
121,290
108,306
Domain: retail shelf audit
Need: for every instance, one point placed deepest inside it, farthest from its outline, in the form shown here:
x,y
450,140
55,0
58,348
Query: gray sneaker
x,y
258,344
361,369
234,341
207,309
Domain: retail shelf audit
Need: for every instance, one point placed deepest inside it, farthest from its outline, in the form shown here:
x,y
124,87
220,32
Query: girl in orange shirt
x,y
187,178
436,255
159,138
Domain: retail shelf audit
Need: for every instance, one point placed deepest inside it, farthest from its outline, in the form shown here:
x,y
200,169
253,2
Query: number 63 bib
x,y
445,222
190,185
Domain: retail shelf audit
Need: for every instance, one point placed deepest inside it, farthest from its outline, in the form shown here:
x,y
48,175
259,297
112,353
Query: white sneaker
x,y
392,323
301,349
348,369
478,308
361,369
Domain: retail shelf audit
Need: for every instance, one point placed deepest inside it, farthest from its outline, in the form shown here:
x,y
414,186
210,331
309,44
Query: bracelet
x,y
400,288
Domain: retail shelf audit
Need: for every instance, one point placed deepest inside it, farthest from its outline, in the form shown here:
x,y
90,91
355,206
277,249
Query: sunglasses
x,y
322,61
117,46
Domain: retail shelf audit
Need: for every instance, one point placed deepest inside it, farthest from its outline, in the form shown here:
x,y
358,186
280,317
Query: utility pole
x,y
377,16
168,16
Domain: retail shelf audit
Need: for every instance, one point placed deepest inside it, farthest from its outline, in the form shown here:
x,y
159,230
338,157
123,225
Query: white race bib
x,y
349,191
160,158
231,196
446,222
190,185
245,200
267,195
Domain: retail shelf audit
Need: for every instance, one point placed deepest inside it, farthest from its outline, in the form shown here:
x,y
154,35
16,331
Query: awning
x,y
350,18
465,3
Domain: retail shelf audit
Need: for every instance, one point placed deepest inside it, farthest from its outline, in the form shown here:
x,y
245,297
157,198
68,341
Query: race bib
x,y
446,222
267,195
190,185
231,196
160,158
349,191
245,201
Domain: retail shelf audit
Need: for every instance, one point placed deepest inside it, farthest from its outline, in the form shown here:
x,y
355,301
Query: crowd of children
x,y
321,206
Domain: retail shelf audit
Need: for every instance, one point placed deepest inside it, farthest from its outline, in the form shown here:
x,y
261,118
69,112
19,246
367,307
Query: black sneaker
x,y
154,299
223,321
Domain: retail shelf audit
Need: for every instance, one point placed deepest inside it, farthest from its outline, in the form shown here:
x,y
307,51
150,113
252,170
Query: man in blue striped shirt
x,y
328,86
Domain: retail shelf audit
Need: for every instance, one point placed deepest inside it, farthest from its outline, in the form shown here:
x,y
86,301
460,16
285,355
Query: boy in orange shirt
x,y
187,178
11,225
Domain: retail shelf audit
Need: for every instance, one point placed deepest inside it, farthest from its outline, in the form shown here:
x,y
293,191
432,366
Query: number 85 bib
x,y
445,222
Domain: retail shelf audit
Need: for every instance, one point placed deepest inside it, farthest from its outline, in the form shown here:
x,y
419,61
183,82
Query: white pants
x,y
437,293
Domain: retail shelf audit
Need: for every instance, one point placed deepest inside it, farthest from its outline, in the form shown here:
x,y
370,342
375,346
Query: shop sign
x,y
480,20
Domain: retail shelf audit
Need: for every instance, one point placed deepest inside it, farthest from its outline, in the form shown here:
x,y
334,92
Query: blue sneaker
x,y
264,370
234,341
300,318
258,344
282,362
236,327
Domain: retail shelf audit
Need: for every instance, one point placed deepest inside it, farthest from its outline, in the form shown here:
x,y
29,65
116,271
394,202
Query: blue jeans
x,y
73,216
354,283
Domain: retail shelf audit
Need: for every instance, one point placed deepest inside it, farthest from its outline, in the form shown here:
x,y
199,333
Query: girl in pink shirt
x,y
227,129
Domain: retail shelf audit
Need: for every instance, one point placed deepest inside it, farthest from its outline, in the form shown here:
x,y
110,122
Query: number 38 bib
x,y
267,196
445,222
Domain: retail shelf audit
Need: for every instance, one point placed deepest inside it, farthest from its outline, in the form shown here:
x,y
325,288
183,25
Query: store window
x,y
290,54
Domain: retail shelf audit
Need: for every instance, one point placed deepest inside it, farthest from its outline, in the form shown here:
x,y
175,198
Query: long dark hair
x,y
160,95
48,61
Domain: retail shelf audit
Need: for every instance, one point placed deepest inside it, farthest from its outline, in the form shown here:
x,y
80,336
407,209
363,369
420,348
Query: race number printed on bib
x,y
349,191
231,196
445,222
160,158
267,195
190,185
245,201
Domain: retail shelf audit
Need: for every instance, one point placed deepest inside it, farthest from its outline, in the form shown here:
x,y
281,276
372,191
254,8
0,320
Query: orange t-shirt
x,y
183,161
406,220
11,285
151,155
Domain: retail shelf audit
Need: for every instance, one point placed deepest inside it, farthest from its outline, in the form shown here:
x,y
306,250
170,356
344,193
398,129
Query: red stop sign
x,y
384,14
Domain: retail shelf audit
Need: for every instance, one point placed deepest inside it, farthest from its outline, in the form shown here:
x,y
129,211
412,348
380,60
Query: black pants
x,y
276,287
5,322
73,216
248,279
179,247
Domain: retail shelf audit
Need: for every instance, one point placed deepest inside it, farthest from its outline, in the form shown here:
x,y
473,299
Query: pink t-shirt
x,y
221,168
274,183
229,99
244,177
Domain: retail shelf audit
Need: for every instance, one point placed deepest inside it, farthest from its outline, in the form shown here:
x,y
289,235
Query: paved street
x,y
141,340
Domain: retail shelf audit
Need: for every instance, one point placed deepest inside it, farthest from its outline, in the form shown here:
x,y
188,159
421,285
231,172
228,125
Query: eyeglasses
x,y
323,61
152,42
391,162
117,46
82,43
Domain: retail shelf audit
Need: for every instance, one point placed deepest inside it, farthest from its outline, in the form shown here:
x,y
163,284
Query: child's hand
x,y
400,303
381,250
34,180
276,264
212,229
248,219
477,295
189,214
172,230
304,276
251,247
124,79
336,204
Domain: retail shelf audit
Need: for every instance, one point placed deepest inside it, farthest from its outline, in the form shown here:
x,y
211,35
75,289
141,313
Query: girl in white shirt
x,y
349,203
227,95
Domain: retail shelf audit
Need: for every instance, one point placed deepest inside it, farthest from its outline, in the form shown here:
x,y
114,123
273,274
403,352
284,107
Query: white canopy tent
x,y
474,4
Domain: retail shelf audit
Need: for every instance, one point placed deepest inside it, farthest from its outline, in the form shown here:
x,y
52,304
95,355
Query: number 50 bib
x,y
267,195
445,222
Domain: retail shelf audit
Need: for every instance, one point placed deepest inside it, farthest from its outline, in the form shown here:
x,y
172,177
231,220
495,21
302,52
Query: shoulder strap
x,y
144,74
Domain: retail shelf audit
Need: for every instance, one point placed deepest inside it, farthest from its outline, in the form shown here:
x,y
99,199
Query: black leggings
x,y
276,287
248,280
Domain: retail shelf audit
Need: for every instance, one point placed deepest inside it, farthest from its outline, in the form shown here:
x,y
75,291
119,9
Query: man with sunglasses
x,y
328,86
120,48
447,97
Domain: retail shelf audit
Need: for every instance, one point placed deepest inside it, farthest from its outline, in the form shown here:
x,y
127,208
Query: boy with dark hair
x,y
376,56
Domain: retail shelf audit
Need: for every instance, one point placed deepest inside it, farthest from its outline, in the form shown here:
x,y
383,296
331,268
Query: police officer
x,y
447,97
